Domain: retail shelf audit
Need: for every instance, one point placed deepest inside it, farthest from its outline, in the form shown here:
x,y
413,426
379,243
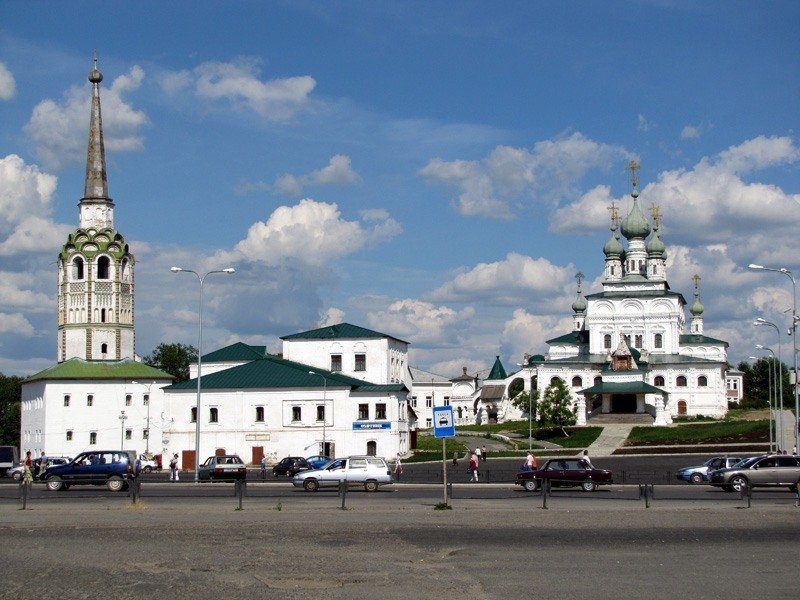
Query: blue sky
x,y
437,171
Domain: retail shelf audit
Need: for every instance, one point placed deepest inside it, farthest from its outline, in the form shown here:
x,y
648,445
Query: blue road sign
x,y
443,423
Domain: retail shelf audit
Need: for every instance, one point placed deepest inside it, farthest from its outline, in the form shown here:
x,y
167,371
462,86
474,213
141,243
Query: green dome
x,y
580,305
613,248
697,308
635,225
655,247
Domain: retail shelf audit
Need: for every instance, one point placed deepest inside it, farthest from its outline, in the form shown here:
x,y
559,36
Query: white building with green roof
x,y
629,351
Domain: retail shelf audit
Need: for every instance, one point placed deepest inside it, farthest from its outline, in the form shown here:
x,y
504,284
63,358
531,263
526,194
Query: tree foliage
x,y
556,408
524,403
173,358
10,398
760,382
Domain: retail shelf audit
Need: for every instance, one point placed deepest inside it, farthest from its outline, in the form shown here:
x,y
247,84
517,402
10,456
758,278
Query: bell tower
x,y
95,267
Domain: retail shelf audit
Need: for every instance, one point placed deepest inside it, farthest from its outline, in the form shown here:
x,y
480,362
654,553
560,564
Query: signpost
x,y
444,427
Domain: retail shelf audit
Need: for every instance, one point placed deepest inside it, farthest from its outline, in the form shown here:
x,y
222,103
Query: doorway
x,y
623,403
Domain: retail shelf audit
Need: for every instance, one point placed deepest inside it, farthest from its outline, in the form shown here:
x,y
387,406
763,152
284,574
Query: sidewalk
x,y
610,439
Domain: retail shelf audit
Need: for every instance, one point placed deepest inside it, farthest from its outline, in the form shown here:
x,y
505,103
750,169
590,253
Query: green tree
x,y
10,398
556,408
524,403
759,379
173,358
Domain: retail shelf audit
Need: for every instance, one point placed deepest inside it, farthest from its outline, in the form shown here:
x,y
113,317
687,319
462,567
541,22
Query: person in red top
x,y
473,466
27,464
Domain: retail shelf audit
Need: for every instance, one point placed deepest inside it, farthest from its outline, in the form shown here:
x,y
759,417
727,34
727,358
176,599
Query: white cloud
x,y
526,333
338,171
17,324
239,84
58,129
643,124
420,321
511,177
690,132
311,233
332,316
517,279
8,86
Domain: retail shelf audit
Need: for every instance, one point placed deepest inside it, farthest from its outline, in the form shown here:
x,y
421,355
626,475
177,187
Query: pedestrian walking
x,y
478,453
455,458
528,464
473,466
484,454
586,459
263,467
398,469
27,475
173,468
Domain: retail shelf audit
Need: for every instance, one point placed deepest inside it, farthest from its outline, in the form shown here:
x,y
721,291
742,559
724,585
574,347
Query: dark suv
x,y
290,466
112,468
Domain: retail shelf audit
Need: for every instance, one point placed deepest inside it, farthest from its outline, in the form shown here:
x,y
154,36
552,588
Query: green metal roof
x,y
638,294
693,339
623,387
236,353
573,337
78,368
340,331
273,372
497,372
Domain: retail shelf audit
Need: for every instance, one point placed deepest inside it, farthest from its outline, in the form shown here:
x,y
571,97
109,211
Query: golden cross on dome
x,y
656,212
696,280
579,277
614,212
633,166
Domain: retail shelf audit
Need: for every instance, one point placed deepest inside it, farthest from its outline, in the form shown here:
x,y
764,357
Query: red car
x,y
565,472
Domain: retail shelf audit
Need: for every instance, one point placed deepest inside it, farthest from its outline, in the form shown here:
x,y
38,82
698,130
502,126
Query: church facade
x,y
631,350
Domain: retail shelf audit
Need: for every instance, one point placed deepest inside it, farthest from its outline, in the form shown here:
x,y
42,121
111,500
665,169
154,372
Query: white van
x,y
369,471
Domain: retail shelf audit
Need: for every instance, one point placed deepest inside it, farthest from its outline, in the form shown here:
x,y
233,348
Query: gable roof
x,y
79,368
274,372
340,331
236,353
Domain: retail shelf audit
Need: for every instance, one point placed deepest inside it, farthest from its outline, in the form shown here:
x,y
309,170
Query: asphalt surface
x,y
497,541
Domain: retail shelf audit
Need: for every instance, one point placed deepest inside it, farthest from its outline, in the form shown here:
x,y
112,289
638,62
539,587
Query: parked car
x,y
700,474
565,472
369,471
17,472
317,462
222,468
290,466
149,462
759,471
112,468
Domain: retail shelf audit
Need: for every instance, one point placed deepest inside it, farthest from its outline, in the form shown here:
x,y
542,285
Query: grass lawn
x,y
721,432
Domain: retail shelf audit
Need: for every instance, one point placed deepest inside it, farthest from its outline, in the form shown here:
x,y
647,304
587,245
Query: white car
x,y
370,471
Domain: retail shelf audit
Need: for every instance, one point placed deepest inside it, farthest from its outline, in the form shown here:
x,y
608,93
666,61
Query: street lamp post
x,y
324,411
122,418
778,385
530,413
769,402
201,279
793,331
773,386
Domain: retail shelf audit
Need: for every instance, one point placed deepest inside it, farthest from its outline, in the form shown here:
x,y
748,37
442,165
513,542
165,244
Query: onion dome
x,y
580,305
613,247
655,247
696,308
635,225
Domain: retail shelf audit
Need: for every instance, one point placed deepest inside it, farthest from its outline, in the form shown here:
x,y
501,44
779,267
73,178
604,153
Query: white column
x,y
581,412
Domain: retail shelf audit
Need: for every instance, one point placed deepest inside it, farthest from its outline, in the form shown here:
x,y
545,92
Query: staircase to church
x,y
621,419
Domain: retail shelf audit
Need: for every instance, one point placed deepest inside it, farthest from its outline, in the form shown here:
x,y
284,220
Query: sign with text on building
x,y
362,425
443,422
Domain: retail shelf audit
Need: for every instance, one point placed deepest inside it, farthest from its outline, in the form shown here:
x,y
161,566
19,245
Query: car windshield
x,y
747,462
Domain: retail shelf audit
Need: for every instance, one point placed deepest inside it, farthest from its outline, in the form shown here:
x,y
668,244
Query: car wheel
x,y
738,483
17,476
588,486
696,478
371,486
148,469
55,483
311,485
530,485
115,483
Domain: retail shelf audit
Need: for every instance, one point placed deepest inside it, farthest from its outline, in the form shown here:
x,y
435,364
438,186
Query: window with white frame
x,y
361,362
380,411
297,414
320,413
90,400
363,412
128,434
336,362
146,400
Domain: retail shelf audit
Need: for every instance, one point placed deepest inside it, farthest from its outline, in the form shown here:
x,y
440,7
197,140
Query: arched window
x,y
193,414
598,380
607,341
659,381
460,412
126,271
103,348
554,380
681,407
658,342
702,381
102,315
77,268
681,381
577,381
213,415
372,448
102,267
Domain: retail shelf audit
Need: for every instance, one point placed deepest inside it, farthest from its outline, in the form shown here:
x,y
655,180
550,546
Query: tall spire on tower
x,y
95,206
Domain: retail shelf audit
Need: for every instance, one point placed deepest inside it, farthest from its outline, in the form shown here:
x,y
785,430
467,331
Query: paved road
x,y
389,546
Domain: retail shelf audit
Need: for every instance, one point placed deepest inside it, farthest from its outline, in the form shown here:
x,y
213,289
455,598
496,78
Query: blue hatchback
x,y
700,474
317,462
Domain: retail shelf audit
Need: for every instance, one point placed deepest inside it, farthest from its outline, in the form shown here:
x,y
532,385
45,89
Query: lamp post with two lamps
x,y
324,411
778,385
774,392
201,279
793,333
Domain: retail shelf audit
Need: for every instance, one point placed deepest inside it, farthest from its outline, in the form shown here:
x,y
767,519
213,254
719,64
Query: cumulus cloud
x,y
8,86
238,83
508,178
58,129
526,333
420,321
311,233
517,279
709,202
338,171
690,132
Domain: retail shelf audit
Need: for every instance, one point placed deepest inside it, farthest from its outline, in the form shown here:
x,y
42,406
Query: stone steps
x,y
622,419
